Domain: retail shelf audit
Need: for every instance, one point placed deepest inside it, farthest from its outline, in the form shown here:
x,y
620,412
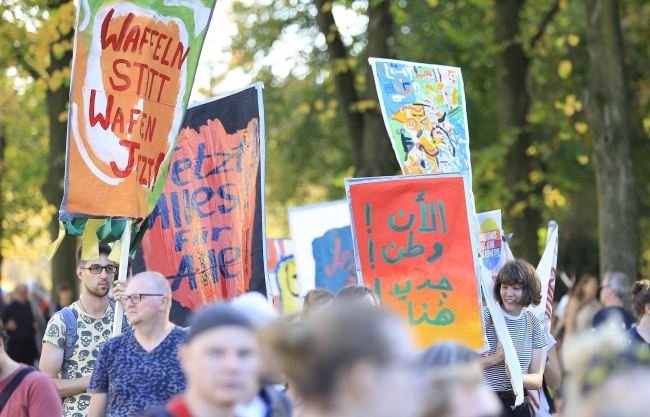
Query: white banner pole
x,y
123,271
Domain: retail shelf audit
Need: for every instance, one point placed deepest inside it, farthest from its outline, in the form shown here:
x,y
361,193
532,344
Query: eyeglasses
x,y
97,269
136,298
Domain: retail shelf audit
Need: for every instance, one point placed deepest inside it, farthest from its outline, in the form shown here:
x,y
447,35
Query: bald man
x,y
139,370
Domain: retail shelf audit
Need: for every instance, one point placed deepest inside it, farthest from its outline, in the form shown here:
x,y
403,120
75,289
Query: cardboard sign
x,y
206,234
323,246
424,111
415,240
133,69
282,275
490,229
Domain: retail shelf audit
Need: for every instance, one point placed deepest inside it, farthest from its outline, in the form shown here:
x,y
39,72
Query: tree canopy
x,y
321,111
308,154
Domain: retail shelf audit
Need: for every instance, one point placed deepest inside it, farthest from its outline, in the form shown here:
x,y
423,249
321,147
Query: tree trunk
x,y
64,262
378,154
513,102
343,79
371,146
607,113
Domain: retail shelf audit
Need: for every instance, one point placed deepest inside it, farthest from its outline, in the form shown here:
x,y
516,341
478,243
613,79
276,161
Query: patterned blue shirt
x,y
134,379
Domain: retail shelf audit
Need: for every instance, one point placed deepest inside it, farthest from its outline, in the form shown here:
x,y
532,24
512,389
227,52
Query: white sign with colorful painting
x,y
424,111
490,230
323,246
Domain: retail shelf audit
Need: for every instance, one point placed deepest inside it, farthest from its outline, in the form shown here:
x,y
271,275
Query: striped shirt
x,y
524,339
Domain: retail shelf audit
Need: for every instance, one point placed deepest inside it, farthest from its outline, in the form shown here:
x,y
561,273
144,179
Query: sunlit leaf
x,y
564,69
581,127
573,40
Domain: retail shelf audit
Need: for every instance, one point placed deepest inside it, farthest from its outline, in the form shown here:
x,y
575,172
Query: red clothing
x,y
36,396
177,407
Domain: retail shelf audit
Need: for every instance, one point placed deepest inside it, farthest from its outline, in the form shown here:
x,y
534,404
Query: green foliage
x,y
28,30
24,211
308,152
308,148
455,33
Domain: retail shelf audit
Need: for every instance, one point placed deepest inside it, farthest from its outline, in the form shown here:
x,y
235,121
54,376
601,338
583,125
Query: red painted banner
x,y
206,232
416,243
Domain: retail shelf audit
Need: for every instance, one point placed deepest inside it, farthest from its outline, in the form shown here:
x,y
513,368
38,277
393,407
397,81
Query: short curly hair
x,y
522,273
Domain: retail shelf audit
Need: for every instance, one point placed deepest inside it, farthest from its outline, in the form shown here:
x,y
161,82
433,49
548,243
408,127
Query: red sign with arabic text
x,y
414,241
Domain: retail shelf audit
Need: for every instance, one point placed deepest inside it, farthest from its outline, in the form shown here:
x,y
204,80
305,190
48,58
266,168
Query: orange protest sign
x,y
416,243
133,69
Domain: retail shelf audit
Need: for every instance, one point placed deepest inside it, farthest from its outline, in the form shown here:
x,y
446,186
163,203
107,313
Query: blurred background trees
x,y
558,101
36,42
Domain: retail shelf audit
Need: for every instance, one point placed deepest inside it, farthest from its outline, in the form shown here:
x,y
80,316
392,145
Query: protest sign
x,y
543,311
133,69
281,266
490,229
416,242
546,273
206,234
424,111
323,246
132,72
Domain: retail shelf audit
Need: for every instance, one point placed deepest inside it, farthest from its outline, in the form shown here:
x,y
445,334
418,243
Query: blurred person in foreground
x,y
455,390
357,294
22,324
220,360
139,370
24,391
265,400
314,301
641,304
614,294
625,394
353,360
517,286
611,378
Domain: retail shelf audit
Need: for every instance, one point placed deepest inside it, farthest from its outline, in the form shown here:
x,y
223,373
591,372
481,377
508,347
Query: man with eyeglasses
x,y
139,370
75,334
615,294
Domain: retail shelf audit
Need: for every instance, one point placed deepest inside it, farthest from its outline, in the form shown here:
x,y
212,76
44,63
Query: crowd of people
x,y
344,355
